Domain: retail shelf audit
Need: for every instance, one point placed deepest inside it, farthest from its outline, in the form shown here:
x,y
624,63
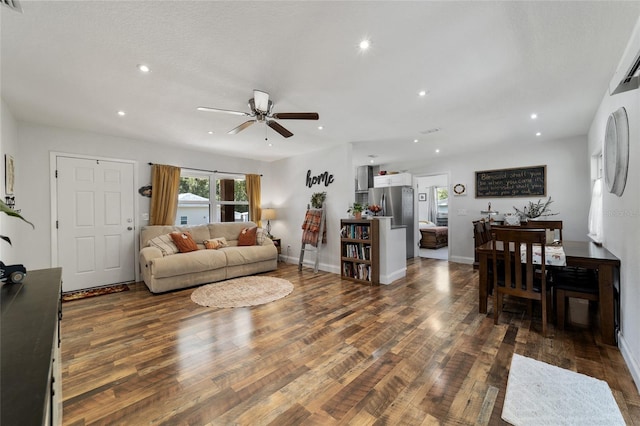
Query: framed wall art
x,y
9,174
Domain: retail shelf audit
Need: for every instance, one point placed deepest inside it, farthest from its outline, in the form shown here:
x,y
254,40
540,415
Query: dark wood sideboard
x,y
31,382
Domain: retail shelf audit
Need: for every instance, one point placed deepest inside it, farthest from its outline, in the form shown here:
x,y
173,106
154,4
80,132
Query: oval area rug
x,y
240,292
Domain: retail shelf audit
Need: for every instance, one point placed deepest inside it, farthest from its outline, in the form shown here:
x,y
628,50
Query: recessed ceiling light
x,y
415,141
534,116
437,151
320,127
270,144
122,113
538,134
210,132
422,93
371,161
365,44
144,68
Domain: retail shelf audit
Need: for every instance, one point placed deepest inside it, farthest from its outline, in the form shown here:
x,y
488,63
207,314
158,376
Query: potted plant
x,y
317,198
535,210
10,212
356,210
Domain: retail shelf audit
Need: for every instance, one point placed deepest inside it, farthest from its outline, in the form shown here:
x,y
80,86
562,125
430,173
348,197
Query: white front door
x,y
95,222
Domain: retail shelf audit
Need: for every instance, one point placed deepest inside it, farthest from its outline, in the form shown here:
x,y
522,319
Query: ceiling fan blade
x,y
241,127
278,128
296,115
226,111
261,100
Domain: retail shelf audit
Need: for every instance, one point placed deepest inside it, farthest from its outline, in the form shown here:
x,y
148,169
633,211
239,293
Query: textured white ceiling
x,y
486,65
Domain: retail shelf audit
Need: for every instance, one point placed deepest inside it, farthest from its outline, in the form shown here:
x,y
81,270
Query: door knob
x,y
129,228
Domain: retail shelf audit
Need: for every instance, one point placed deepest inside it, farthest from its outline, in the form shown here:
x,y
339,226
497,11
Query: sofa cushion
x,y
200,233
188,263
216,243
249,254
165,244
247,237
184,241
260,236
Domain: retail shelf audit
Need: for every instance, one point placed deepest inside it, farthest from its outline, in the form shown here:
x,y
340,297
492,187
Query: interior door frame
x,y
53,160
417,211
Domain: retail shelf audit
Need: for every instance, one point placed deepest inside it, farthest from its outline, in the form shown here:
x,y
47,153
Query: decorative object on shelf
x,y
9,171
459,189
616,151
422,196
10,201
535,210
317,198
268,215
356,210
375,209
512,219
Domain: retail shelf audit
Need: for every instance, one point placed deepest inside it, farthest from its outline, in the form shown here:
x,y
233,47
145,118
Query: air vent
x,y
428,131
12,4
631,80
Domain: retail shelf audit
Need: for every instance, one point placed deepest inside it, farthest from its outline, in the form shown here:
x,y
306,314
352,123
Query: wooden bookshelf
x,y
359,250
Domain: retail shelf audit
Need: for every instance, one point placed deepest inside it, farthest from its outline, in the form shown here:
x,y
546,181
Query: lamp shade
x,y
268,214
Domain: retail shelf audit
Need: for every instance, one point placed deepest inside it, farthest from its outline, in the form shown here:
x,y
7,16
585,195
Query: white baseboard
x,y
632,363
395,275
460,259
310,264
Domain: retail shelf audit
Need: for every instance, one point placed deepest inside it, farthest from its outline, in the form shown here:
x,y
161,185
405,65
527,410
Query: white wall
x,y
621,224
285,190
567,184
10,227
33,248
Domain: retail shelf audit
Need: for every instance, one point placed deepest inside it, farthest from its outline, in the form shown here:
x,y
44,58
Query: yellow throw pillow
x,y
184,241
216,243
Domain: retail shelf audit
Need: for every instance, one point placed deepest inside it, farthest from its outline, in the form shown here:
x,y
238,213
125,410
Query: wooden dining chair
x,y
545,224
514,278
573,282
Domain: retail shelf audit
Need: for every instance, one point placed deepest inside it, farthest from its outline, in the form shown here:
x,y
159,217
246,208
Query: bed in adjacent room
x,y
432,236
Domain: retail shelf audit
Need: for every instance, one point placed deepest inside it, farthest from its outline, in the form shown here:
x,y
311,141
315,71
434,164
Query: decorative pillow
x,y
247,237
260,236
184,241
164,243
426,224
216,243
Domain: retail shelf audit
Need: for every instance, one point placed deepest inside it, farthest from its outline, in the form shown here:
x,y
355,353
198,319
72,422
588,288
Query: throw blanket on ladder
x,y
311,228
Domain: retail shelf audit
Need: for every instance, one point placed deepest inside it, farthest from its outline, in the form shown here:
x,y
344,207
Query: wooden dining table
x,y
582,254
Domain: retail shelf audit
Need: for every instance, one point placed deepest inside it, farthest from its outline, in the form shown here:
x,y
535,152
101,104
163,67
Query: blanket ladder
x,y
311,248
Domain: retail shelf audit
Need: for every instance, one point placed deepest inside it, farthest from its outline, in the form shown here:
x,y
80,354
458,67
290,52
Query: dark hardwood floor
x,y
332,352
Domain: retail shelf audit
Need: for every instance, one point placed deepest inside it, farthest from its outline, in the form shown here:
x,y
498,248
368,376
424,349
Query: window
x,y
595,211
229,194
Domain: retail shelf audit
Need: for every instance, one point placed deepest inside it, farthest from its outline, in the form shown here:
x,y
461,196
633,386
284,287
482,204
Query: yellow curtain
x,y
253,193
165,184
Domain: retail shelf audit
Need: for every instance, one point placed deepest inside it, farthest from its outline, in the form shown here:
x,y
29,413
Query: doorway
x,y
94,221
433,216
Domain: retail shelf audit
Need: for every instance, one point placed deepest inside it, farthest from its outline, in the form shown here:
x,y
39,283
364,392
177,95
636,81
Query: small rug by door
x,y
543,394
239,292
91,292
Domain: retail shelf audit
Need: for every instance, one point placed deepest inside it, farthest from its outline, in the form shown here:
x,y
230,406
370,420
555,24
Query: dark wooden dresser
x,y
31,382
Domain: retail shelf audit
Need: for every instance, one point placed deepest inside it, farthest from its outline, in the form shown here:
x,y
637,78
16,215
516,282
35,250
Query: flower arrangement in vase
x,y
535,210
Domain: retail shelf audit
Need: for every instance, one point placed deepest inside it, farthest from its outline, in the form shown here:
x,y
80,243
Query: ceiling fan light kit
x,y
261,106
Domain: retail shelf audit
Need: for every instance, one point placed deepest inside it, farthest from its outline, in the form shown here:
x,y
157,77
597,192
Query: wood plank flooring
x,y
332,352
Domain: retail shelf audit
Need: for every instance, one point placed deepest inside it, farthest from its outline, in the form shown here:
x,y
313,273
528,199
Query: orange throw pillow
x,y
247,237
184,241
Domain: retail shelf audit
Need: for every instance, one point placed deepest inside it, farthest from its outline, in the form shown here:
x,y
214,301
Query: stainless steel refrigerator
x,y
397,202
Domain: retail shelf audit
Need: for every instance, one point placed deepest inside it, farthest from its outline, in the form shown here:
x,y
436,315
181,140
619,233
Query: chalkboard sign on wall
x,y
518,182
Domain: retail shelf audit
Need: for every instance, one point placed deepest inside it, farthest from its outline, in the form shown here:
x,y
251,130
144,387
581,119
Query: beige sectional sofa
x,y
181,270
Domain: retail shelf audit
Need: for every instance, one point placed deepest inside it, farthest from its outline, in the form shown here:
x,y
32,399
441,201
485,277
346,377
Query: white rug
x,y
240,292
543,394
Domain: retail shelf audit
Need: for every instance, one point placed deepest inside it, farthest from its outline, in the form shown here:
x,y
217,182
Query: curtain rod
x,y
210,171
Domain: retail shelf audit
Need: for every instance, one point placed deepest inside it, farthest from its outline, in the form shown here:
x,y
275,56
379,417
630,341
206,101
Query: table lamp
x,y
268,215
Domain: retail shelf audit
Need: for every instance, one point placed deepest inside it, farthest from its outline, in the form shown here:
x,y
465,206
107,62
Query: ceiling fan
x,y
261,106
